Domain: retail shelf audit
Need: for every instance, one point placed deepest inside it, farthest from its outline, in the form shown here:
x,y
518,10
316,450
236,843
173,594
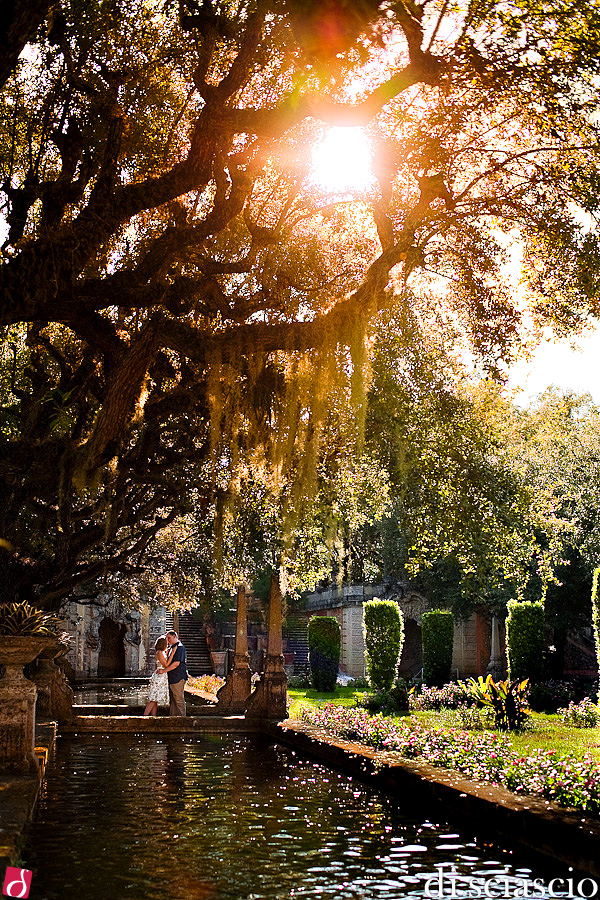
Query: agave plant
x,y
23,618
508,700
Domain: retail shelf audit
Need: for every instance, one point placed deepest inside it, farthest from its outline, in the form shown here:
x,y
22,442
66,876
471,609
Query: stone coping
x,y
18,796
190,724
548,831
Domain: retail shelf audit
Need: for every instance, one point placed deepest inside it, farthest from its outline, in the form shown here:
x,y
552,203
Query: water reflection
x,y
121,695
180,818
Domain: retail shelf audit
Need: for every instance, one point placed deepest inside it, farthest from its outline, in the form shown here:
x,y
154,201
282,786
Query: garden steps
x,y
192,636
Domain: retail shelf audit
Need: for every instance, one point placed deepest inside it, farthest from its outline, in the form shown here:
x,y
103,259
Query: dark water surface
x,y
237,818
128,695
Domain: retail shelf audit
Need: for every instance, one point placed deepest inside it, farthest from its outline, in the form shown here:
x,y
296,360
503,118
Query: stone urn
x,y
55,696
17,700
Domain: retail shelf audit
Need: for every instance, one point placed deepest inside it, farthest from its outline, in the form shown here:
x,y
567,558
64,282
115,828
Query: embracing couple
x,y
168,682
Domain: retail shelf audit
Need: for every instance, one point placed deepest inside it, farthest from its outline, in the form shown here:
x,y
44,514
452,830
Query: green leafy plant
x,y
438,637
451,696
584,714
389,702
507,699
22,618
525,639
475,718
324,643
383,629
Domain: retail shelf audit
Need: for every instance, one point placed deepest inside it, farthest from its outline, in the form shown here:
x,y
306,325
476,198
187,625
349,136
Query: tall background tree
x,y
182,301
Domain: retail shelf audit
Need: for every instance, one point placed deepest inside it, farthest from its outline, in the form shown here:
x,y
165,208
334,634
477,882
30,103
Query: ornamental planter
x,y
17,701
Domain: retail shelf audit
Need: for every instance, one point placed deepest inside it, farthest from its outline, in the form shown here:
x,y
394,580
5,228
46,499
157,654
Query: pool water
x,y
127,695
237,818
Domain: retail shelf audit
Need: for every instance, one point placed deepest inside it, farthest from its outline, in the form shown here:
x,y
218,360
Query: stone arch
x,y
111,655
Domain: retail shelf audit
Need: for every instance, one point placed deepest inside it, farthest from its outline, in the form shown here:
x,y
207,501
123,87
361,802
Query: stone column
x,y
17,702
495,664
233,696
269,700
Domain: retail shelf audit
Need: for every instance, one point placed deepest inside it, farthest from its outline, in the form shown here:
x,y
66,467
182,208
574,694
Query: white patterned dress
x,y
159,688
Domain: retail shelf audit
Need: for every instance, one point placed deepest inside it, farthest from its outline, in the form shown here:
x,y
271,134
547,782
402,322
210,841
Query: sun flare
x,y
341,162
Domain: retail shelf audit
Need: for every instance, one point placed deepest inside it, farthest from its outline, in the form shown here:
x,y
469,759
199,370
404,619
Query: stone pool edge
x,y
544,828
18,797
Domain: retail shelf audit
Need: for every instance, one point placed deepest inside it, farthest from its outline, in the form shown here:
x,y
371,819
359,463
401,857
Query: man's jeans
x,y
177,705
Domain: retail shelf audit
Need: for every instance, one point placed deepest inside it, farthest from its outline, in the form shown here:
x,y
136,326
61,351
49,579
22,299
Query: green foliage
x,y
461,512
584,714
525,639
507,699
476,718
451,696
324,644
214,353
437,632
596,617
22,618
390,702
549,696
383,629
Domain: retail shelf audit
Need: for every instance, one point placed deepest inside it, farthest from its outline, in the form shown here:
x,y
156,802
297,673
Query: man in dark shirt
x,y
177,674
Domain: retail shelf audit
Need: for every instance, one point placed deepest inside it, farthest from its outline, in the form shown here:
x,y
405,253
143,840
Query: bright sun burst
x,y
341,162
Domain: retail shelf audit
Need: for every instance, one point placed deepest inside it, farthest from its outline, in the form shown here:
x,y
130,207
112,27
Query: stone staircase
x,y
296,634
191,635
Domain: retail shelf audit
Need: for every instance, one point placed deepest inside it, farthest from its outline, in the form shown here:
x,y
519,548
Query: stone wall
x,y
110,641
345,603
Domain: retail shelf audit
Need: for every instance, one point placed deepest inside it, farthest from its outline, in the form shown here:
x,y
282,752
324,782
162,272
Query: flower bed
x,y
450,696
204,684
565,780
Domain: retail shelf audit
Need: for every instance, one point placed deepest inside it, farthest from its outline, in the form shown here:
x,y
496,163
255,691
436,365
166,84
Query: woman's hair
x,y
161,644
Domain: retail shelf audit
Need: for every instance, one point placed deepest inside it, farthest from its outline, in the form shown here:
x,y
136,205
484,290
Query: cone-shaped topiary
x,y
525,639
596,619
383,629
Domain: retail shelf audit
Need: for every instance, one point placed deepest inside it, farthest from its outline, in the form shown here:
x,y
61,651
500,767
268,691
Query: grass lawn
x,y
545,731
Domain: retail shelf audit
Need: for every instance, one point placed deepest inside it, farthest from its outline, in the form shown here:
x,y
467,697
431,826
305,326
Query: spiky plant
x,y
23,618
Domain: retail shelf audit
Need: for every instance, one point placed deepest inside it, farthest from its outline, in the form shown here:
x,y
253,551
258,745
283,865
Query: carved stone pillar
x,y
269,700
17,702
495,664
233,696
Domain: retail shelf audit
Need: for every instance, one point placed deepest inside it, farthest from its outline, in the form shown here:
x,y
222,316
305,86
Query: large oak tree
x,y
178,296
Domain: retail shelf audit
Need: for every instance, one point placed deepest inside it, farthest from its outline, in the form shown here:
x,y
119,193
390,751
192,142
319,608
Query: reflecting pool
x,y
126,695
238,818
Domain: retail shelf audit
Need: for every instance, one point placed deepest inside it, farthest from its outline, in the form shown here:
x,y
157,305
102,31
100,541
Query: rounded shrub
x,y
324,642
383,629
525,640
437,634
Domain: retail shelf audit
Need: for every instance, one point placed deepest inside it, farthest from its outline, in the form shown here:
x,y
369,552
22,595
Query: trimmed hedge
x,y
596,618
525,640
383,629
437,635
324,642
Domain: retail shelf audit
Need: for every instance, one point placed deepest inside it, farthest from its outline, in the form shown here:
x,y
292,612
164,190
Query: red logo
x,y
17,882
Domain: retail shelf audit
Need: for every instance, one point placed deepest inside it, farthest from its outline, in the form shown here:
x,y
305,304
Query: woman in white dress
x,y
158,693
